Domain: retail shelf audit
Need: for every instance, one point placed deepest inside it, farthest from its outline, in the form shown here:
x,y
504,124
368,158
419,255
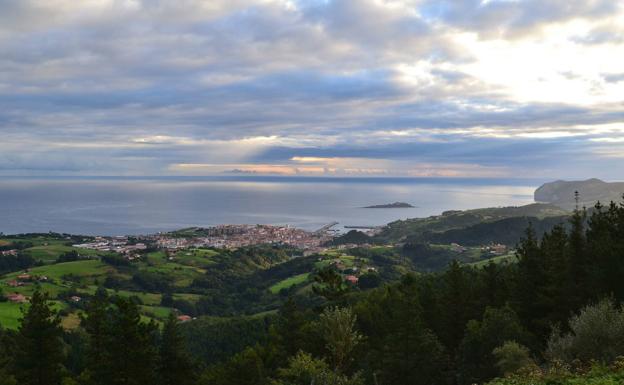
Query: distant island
x,y
561,193
395,205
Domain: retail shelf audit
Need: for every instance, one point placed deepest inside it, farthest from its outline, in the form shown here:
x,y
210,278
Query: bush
x,y
477,362
511,357
597,333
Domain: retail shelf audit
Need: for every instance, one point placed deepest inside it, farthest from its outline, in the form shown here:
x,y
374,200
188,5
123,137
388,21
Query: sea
x,y
146,205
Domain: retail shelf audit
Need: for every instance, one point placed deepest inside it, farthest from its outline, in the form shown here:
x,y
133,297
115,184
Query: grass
x,y
182,275
51,252
71,322
85,268
151,299
158,312
196,257
53,289
10,313
502,259
187,296
4,243
288,282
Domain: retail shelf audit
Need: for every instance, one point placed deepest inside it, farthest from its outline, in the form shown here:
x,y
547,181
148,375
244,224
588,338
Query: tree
x,y
330,284
531,281
400,349
338,328
476,362
596,333
369,280
578,291
115,329
246,367
40,351
303,369
554,295
511,357
6,362
455,304
96,324
175,366
288,332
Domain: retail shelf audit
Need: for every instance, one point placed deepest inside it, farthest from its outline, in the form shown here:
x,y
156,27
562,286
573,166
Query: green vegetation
x,y
421,229
288,282
417,313
10,313
598,375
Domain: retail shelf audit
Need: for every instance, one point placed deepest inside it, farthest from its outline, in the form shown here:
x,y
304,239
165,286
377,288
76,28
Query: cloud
x,y
307,87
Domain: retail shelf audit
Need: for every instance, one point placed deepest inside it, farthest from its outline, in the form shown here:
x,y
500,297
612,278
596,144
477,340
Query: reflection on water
x,y
135,206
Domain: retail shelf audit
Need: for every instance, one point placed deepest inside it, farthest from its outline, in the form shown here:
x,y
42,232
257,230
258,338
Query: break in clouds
x,y
495,88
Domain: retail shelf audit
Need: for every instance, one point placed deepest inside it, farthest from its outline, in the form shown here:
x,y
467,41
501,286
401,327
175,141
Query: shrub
x,y
596,333
511,357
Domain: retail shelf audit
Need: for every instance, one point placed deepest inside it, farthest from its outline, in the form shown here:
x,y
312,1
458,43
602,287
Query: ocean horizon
x,y
130,205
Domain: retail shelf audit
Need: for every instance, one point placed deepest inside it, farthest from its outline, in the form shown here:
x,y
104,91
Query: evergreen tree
x,y
605,242
579,266
554,296
331,285
401,350
477,363
455,306
6,361
39,353
175,365
288,330
531,282
96,324
122,349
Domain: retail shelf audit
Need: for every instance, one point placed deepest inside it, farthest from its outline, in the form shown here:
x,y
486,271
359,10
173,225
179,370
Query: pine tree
x,y
40,351
531,282
401,350
288,331
455,305
579,265
96,324
175,366
130,349
554,296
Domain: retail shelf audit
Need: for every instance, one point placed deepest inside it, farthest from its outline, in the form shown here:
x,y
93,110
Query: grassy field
x,y
158,312
504,259
10,313
85,268
288,282
196,257
182,275
72,321
4,243
51,252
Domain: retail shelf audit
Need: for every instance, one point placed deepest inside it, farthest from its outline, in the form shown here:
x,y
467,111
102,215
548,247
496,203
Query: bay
x,y
130,205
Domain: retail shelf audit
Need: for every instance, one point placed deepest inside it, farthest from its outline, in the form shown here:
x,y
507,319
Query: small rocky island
x,y
395,205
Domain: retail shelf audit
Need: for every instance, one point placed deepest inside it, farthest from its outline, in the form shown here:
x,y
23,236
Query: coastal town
x,y
222,236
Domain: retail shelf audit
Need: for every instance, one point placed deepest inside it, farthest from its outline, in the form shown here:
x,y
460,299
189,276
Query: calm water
x,y
114,206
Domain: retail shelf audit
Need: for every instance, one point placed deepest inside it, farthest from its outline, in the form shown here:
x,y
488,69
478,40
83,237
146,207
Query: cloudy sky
x,y
470,88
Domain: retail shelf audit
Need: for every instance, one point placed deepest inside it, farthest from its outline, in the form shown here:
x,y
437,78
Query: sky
x,y
409,88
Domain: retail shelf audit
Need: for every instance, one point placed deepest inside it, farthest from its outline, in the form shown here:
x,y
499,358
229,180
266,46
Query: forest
x,y
552,317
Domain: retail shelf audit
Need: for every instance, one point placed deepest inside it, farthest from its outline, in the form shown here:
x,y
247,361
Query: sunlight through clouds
x,y
311,87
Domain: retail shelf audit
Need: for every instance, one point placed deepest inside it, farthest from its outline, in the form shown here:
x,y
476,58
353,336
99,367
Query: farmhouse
x,y
352,279
16,297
